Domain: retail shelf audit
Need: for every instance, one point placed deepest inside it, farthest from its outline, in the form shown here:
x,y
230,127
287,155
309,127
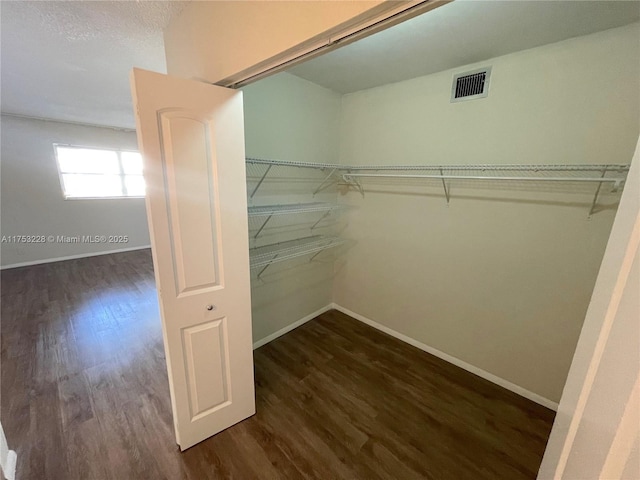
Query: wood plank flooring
x,y
85,394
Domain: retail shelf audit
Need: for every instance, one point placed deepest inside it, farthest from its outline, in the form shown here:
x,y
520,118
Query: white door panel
x,y
191,136
191,191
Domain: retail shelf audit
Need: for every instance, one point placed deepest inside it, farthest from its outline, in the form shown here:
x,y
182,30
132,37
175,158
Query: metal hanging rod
x,y
278,252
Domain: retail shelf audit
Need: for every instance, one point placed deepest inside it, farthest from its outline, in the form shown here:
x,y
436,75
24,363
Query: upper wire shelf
x,y
482,167
586,174
331,178
287,163
598,175
509,167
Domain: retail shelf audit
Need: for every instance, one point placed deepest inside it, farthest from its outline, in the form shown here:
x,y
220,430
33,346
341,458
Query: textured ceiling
x,y
70,60
460,33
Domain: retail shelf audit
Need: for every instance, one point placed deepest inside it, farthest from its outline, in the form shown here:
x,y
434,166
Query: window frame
x,y
121,174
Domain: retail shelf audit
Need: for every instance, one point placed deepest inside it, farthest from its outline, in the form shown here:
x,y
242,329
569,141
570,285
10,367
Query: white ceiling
x,y
460,33
70,60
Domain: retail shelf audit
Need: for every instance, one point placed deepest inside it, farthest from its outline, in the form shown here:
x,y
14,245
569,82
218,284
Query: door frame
x,y
381,17
621,241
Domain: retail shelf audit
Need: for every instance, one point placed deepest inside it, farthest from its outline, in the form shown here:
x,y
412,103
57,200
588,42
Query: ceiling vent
x,y
470,85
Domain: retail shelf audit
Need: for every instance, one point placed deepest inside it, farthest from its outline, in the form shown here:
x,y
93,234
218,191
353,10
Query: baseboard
x,y
288,328
72,257
534,397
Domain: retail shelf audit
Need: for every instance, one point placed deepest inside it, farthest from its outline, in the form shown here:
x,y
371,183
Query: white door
x,y
191,136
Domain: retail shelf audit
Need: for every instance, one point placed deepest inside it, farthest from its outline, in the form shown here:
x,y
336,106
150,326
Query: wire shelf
x,y
268,210
288,163
614,174
258,169
278,252
484,167
615,180
597,175
493,167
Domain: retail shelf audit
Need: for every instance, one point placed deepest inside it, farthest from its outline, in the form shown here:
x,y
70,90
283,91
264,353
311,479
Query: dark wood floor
x,y
85,394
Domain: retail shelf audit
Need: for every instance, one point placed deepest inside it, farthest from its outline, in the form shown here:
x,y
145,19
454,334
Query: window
x,y
99,173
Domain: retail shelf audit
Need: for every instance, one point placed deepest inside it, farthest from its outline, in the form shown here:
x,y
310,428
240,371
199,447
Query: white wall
x,y
32,199
597,428
502,277
287,118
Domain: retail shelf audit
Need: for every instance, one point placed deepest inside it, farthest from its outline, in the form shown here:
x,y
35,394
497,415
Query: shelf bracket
x,y
326,214
324,247
322,185
616,185
353,182
359,186
260,182
595,197
444,185
267,265
263,225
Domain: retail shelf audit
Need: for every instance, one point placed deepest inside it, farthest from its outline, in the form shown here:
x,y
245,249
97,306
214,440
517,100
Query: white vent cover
x,y
470,85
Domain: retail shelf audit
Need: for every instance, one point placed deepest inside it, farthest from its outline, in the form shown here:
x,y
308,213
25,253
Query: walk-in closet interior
x,y
472,227
379,240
